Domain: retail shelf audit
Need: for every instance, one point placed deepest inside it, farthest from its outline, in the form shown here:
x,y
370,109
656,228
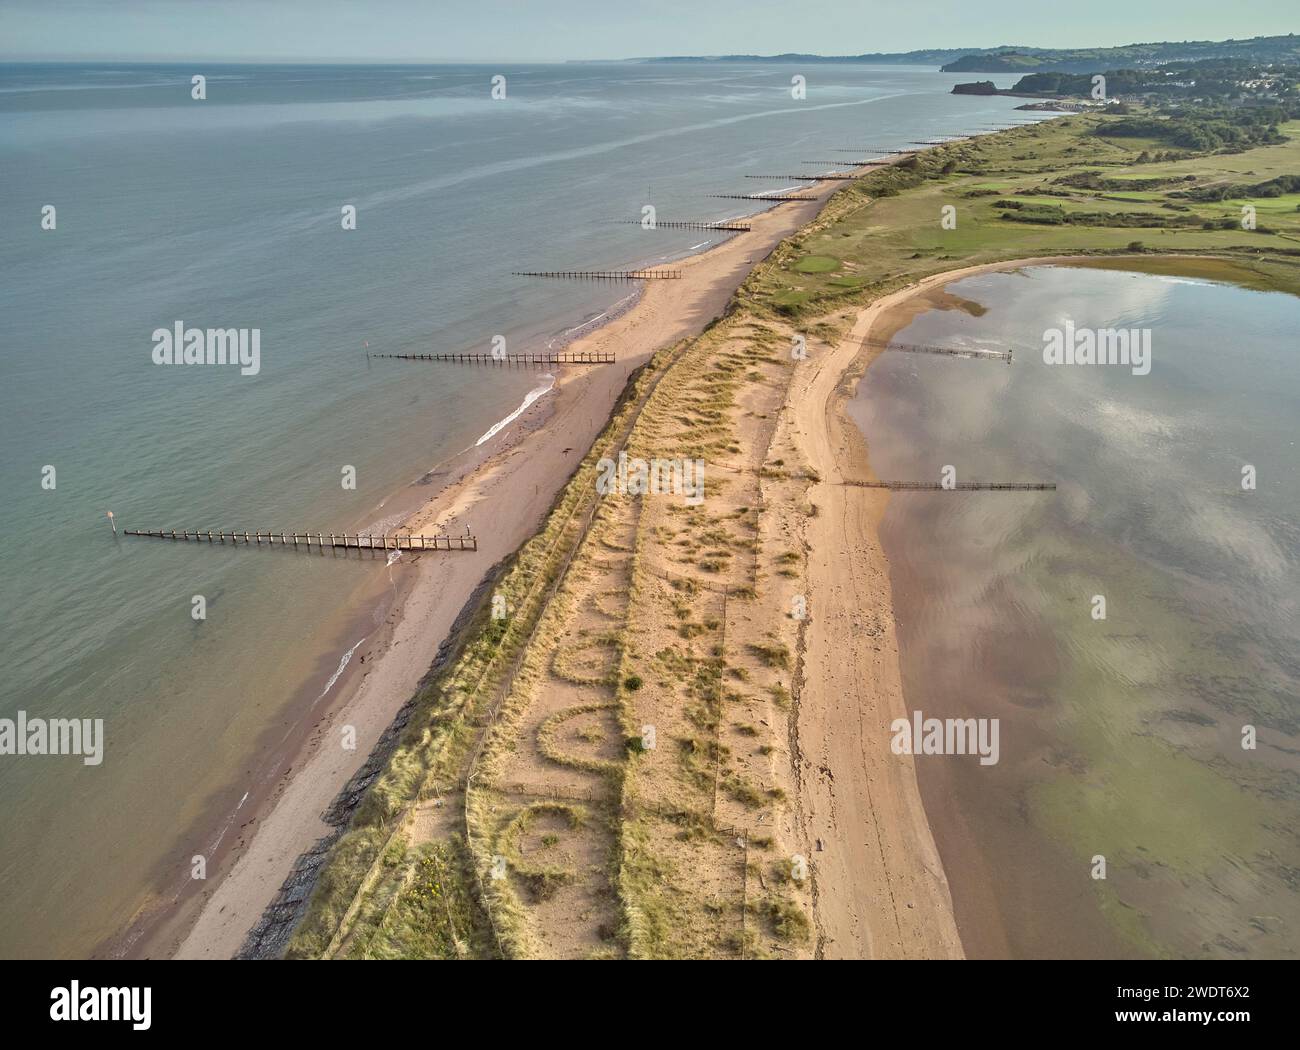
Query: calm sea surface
x,y
1120,738
226,213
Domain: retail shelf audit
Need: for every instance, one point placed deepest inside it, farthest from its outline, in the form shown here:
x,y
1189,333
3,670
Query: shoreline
x,y
482,477
840,452
878,898
871,809
537,450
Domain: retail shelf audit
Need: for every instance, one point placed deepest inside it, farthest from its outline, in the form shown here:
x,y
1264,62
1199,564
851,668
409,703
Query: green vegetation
x,y
1207,128
1257,50
1081,190
817,264
1211,80
432,914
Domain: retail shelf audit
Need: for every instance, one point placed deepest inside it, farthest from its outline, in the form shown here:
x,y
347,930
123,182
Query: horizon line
x,y
439,60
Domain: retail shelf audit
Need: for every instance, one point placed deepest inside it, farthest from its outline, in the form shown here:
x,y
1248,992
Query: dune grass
x,y
876,235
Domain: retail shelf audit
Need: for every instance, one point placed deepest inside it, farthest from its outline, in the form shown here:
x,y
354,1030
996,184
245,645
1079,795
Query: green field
x,y
885,230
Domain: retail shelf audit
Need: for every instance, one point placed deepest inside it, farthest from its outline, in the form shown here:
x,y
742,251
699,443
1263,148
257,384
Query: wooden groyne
x,y
401,541
958,486
872,149
730,227
920,348
760,197
851,163
804,178
604,275
558,357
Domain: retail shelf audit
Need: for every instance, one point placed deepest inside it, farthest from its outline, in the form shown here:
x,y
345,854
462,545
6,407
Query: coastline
x,y
877,817
887,896
838,450
507,482
539,450
650,714
542,446
871,808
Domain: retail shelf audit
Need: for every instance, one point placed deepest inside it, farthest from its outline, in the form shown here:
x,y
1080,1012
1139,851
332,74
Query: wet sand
x,y
885,893
978,892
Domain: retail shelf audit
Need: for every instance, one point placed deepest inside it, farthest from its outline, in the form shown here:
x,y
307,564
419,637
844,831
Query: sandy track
x,y
881,891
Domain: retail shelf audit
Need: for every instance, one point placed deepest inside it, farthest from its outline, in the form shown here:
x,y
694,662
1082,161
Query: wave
x,y
338,671
529,398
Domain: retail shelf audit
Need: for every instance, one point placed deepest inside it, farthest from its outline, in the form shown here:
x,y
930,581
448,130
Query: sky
x,y
554,30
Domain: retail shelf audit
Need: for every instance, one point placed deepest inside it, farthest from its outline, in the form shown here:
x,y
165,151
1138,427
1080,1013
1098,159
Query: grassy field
x,y
885,230
523,814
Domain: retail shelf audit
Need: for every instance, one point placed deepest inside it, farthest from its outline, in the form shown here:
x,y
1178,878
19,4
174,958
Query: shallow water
x,y
1120,738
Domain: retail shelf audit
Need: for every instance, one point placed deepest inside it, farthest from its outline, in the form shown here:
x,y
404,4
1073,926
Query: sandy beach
x,y
501,491
884,893
502,495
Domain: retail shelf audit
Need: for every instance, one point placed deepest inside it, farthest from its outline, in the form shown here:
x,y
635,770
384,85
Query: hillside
x,y
1257,50
1016,58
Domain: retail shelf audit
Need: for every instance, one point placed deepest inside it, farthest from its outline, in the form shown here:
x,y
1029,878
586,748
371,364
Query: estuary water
x,y
1136,632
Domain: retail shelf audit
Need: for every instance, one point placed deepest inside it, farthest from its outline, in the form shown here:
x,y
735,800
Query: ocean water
x,y
226,213
1120,738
